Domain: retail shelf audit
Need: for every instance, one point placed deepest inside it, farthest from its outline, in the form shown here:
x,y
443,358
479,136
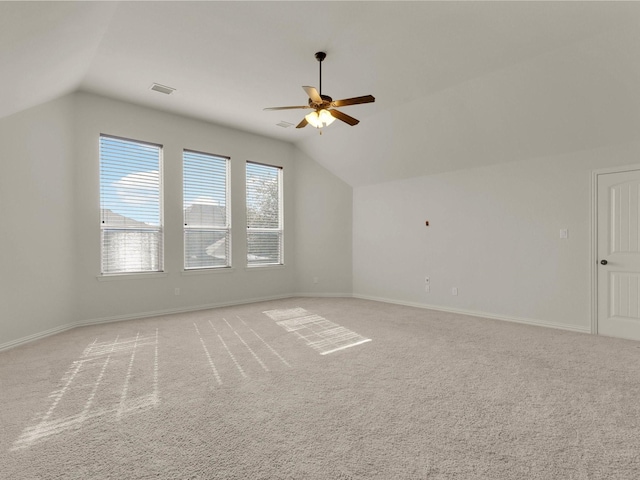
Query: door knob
x,y
603,262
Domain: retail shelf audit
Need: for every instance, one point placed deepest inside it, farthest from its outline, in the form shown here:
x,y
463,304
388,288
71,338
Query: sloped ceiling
x,y
457,84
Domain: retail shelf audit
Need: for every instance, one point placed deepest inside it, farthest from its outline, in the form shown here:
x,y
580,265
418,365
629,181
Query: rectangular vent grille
x,y
156,87
284,124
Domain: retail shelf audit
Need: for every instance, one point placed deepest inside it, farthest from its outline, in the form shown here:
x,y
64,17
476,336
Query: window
x,y
264,215
130,206
207,230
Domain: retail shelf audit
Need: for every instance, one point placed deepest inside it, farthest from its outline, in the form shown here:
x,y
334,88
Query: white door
x,y
618,250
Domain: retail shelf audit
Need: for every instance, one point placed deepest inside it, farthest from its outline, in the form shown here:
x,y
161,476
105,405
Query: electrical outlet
x,y
176,291
315,279
427,288
454,291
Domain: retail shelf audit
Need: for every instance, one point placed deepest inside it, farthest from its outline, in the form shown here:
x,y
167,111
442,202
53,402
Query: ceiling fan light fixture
x,y
320,119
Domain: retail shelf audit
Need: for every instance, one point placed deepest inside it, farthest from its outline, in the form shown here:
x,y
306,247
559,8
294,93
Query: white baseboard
x,y
134,316
321,295
36,336
472,313
171,311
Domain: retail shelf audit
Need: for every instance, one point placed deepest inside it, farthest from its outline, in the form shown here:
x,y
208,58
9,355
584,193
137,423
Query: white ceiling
x,y
457,84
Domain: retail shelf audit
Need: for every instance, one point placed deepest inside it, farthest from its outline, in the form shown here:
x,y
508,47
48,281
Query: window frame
x,y
279,229
228,224
160,228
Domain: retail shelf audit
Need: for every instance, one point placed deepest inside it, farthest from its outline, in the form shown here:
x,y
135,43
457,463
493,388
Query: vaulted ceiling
x,y
457,84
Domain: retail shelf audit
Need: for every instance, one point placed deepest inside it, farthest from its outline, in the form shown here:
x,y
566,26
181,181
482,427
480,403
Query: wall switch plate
x,y
564,233
176,291
315,279
454,291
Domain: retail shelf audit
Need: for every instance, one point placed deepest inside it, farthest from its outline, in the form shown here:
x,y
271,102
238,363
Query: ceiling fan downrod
x,y
320,56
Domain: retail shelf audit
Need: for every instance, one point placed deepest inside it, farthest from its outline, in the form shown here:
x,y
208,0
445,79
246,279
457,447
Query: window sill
x,y
130,276
207,271
255,268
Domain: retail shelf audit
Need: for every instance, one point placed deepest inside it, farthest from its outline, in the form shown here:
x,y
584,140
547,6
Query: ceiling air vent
x,y
284,124
156,87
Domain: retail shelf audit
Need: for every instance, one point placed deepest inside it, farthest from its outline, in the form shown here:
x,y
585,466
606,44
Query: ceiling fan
x,y
324,107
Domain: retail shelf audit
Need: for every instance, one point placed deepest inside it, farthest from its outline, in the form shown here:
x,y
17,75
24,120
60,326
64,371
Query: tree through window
x,y
264,215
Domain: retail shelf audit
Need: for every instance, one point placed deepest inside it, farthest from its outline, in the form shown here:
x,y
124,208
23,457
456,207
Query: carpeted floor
x,y
320,389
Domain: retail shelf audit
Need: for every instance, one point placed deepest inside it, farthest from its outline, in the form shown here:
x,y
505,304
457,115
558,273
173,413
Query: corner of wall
x,y
323,226
36,207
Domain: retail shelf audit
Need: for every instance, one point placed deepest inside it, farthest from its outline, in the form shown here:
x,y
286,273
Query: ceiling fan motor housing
x,y
326,102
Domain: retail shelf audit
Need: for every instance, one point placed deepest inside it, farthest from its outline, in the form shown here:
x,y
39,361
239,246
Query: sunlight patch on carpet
x,y
271,349
235,351
231,355
253,354
209,359
319,333
86,391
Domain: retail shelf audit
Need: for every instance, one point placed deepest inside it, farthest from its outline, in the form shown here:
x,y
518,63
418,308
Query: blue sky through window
x,y
130,179
205,179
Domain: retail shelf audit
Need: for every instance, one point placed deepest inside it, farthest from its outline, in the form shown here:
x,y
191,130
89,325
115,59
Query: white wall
x,y
494,230
37,225
127,297
323,226
50,236
493,234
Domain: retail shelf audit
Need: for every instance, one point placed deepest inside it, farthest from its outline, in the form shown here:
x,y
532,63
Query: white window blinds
x,y
207,230
130,206
264,215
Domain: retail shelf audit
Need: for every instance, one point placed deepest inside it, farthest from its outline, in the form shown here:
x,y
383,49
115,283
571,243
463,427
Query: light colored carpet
x,y
235,393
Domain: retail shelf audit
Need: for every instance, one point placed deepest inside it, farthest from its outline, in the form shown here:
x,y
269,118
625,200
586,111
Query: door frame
x,y
595,174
